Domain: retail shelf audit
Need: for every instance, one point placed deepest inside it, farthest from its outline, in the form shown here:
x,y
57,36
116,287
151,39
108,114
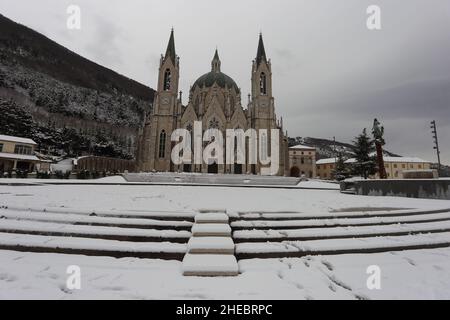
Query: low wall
x,y
211,179
426,189
100,164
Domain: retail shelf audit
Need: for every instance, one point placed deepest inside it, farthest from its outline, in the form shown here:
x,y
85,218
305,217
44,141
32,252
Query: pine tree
x,y
365,161
341,172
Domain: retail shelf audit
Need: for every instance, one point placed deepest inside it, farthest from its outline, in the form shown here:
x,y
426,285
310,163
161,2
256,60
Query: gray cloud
x,y
331,75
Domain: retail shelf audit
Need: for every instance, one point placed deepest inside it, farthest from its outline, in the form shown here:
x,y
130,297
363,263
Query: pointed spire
x,y
261,54
215,64
170,52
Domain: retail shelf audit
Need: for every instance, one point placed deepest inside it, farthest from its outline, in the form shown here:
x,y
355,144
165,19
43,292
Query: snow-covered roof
x,y
397,160
302,147
14,156
326,161
405,159
17,139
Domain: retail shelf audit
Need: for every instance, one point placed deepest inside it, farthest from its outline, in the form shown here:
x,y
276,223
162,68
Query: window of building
x,y
303,160
403,166
167,80
395,166
162,144
263,83
21,149
420,166
1,147
264,153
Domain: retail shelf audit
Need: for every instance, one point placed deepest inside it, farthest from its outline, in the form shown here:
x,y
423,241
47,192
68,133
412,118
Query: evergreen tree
x,y
341,172
15,120
364,148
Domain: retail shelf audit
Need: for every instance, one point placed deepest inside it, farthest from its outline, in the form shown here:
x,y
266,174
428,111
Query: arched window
x,y
263,83
162,144
264,153
167,80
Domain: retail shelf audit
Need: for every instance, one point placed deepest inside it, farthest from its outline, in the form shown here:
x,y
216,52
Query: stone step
x,y
212,218
211,230
211,245
210,265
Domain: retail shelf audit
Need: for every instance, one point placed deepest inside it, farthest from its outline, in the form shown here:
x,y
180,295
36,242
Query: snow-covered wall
x,y
426,189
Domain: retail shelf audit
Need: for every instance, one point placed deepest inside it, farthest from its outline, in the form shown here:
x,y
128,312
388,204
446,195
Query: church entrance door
x,y
295,172
213,168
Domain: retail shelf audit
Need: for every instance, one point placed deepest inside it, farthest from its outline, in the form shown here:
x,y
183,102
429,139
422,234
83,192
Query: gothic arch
x,y
167,80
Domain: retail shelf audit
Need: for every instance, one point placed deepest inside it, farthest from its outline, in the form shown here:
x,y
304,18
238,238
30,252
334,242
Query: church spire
x,y
170,52
261,54
215,64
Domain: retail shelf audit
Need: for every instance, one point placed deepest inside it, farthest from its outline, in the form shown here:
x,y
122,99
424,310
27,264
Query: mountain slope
x,y
328,148
61,90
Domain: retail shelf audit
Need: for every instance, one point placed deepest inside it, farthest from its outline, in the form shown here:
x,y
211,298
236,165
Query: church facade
x,y
215,101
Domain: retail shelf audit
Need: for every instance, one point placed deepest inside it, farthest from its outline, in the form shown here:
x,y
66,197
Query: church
x,y
215,101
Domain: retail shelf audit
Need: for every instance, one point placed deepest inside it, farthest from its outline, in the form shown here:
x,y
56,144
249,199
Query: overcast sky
x,y
331,75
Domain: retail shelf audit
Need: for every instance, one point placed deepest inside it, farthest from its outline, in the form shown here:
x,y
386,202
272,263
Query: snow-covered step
x,y
162,215
211,230
211,245
69,218
210,265
212,218
331,215
336,222
341,232
111,233
341,246
90,247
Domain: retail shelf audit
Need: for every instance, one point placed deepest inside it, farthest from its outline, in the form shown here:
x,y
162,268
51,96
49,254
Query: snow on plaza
x,y
133,241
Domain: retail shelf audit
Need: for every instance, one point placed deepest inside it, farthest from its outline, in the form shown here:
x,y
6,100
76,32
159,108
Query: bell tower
x,y
262,99
168,79
157,146
262,105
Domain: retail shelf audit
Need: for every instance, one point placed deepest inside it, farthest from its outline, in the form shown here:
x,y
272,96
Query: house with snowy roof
x,y
17,153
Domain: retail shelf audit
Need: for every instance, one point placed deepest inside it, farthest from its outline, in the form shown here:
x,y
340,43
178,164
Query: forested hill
x,y
63,91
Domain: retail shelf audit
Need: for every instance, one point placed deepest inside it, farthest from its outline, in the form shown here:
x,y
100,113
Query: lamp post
x,y
436,143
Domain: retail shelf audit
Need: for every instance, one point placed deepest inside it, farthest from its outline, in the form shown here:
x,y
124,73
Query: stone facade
x,y
302,161
215,101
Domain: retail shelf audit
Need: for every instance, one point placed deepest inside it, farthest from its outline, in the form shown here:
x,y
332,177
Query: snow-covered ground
x,y
185,198
404,274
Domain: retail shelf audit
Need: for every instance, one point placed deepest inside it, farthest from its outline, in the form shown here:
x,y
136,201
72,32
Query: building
x,y
17,154
395,166
302,161
325,168
215,101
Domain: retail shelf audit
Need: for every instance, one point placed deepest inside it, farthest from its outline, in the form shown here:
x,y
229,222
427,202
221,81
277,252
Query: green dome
x,y
222,80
